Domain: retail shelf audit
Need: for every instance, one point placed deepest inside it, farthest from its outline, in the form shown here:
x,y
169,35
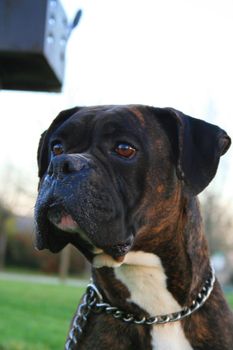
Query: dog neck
x,y
172,264
164,271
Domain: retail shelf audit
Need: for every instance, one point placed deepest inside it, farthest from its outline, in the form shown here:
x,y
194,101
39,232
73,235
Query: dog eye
x,y
125,150
57,149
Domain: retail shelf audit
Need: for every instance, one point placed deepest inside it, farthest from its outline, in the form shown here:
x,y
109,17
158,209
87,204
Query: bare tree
x,y
64,262
5,214
218,222
15,194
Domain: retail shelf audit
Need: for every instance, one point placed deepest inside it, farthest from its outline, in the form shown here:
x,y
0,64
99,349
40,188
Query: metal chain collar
x,y
93,302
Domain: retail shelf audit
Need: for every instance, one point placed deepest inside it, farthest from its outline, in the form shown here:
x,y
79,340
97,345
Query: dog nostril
x,y
70,166
64,165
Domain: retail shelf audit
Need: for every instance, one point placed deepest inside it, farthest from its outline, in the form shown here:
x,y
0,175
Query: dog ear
x,y
197,147
43,153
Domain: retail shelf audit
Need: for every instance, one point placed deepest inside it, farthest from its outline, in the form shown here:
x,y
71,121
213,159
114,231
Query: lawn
x,y
37,316
230,299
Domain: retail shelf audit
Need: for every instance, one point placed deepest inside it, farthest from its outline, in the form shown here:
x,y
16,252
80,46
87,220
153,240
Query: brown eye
x,y
125,150
57,149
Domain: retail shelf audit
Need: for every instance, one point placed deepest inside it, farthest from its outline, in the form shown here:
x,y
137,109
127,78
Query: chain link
x,y
90,299
93,302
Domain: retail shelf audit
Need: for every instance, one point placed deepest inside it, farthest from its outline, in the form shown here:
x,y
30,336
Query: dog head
x,y
101,168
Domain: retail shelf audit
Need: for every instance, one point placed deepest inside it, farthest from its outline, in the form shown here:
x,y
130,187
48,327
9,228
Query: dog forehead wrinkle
x,y
69,130
139,115
122,116
77,130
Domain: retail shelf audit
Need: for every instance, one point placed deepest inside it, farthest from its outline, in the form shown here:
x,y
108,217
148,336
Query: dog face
x,y
102,169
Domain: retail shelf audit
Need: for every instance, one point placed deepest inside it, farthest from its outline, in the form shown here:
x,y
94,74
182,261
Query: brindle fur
x,y
167,222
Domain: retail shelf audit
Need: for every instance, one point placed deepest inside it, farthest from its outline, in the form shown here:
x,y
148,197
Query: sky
x,y
157,52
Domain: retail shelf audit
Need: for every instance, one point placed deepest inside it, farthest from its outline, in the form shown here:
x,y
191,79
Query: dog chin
x,y
104,260
65,223
110,256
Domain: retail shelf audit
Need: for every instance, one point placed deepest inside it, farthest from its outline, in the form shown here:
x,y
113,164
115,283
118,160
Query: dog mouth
x,y
59,217
65,223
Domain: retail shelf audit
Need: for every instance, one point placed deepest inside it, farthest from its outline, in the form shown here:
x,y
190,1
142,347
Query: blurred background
x,y
157,52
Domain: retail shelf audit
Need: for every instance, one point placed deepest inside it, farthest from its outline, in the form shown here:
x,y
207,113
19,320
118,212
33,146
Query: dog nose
x,y
66,164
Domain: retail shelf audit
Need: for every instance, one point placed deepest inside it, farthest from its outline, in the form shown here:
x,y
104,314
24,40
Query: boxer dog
x,y
120,183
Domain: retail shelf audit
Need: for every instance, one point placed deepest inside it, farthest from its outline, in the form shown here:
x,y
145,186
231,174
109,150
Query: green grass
x,y
230,299
35,316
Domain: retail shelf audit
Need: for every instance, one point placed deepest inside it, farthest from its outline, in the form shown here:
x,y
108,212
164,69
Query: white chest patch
x,y
143,274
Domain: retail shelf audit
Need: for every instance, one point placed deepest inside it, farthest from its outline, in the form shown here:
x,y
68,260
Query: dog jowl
x,y
120,183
